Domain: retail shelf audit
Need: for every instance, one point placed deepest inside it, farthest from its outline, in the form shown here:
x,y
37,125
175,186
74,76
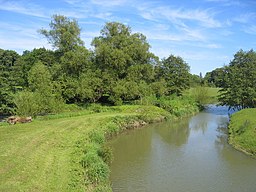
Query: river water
x,y
190,155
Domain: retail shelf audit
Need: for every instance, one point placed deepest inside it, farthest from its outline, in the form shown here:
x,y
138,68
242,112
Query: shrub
x,y
33,104
201,95
27,103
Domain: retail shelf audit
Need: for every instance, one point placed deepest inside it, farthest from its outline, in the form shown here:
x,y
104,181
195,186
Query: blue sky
x,y
205,33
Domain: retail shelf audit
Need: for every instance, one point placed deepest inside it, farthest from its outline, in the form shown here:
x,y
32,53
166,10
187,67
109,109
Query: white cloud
x,y
250,29
245,18
108,3
226,2
180,16
23,8
213,45
73,2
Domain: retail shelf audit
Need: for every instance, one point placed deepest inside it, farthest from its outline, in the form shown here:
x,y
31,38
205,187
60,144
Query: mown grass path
x,y
40,156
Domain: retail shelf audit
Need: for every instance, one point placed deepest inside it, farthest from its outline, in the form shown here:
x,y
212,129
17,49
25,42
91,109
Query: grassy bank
x,y
242,131
66,152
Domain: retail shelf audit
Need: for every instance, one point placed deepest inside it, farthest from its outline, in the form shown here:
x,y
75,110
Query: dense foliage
x,y
8,79
175,72
239,87
119,69
215,77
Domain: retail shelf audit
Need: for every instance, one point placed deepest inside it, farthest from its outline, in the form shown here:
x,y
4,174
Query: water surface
x,y
188,155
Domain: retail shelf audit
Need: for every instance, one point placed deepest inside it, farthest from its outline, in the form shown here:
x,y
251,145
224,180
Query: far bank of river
x,y
187,155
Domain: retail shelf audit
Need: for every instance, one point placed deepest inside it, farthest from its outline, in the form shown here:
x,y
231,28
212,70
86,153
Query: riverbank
x,y
65,152
242,131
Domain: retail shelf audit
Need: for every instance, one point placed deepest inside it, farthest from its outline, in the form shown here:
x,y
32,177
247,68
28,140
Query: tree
x,y
215,77
117,49
175,72
90,86
195,80
64,33
122,57
40,80
239,90
40,97
8,80
29,59
73,63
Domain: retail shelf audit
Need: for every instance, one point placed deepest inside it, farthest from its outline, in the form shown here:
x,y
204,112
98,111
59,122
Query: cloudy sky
x,y
205,33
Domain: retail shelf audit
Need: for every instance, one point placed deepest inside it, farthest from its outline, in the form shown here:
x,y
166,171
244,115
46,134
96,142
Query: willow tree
x,y
123,56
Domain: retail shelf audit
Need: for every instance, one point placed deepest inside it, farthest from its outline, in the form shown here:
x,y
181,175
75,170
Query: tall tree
x,y
118,48
239,90
64,33
175,72
122,56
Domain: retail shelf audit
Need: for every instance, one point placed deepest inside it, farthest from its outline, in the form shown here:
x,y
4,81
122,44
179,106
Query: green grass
x,y
242,131
65,152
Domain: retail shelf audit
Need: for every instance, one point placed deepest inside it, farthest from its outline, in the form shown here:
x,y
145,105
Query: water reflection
x,y
174,133
132,144
219,110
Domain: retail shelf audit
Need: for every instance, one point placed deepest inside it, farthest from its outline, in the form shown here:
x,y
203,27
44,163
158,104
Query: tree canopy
x,y
175,72
239,88
64,33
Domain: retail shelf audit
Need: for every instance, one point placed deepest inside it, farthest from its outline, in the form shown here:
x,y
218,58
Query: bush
x,y
201,95
33,104
27,103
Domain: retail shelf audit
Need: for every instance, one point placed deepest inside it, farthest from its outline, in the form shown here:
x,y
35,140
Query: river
x,y
189,155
